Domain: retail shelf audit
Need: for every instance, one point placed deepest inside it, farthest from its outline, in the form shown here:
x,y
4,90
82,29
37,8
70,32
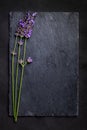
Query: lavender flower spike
x,y
25,25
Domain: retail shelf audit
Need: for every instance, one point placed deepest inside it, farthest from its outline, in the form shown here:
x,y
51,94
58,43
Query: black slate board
x,y
50,85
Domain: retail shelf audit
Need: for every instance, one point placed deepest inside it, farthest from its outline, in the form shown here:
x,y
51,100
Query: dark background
x,y
43,123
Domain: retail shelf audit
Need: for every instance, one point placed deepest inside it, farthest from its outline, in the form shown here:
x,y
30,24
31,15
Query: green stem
x,y
16,84
21,79
13,96
19,94
13,83
15,43
24,50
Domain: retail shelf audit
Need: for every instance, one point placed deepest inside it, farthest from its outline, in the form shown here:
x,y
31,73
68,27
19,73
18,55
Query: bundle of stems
x,y
22,34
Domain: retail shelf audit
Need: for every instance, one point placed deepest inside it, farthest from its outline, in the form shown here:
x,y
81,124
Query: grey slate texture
x,y
50,84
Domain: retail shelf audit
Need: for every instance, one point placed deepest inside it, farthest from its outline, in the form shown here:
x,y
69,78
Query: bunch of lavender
x,y
23,33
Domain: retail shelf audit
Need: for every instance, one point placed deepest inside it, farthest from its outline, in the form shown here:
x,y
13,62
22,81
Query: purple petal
x,y
22,24
32,21
29,60
34,14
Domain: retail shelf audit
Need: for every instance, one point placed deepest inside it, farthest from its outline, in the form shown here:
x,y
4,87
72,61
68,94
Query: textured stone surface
x,y
50,83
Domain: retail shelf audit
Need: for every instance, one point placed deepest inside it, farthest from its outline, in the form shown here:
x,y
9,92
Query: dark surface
x,y
47,123
50,82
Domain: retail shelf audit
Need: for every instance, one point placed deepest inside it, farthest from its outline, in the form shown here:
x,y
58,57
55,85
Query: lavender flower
x,y
29,60
25,25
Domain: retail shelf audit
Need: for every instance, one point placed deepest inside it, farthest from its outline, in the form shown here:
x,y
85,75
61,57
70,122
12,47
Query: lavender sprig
x,y
24,32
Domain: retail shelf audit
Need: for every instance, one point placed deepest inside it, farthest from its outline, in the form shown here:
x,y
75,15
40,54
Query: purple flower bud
x,y
28,14
29,60
30,31
34,14
32,21
20,20
22,24
20,42
28,34
20,61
